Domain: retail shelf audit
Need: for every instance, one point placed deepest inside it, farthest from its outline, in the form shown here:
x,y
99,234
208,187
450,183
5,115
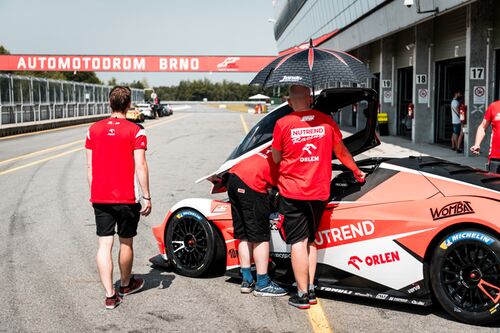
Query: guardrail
x,y
30,101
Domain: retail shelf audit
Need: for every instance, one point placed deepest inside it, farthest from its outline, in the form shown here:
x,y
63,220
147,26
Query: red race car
x,y
419,229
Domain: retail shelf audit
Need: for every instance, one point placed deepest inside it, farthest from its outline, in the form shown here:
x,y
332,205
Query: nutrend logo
x,y
307,133
452,209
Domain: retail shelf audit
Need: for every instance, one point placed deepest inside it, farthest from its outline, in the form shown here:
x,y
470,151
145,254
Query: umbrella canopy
x,y
313,67
258,96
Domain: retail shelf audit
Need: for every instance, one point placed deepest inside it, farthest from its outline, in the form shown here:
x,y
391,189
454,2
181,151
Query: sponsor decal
x,y
287,78
307,133
494,309
345,232
111,132
280,255
398,299
374,260
415,302
413,289
310,118
265,154
381,296
363,294
241,190
309,148
233,253
308,159
220,209
190,214
466,235
354,260
452,209
337,290
229,64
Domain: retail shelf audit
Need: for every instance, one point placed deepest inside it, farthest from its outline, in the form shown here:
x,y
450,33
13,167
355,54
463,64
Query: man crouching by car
x,y
303,142
247,188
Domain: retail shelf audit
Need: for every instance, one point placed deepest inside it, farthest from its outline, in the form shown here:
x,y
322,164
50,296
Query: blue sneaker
x,y
247,287
271,290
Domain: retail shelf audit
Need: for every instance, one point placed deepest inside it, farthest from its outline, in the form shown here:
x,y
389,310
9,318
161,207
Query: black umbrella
x,y
312,67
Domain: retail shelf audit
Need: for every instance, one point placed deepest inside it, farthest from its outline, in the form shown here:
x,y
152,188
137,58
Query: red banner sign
x,y
99,63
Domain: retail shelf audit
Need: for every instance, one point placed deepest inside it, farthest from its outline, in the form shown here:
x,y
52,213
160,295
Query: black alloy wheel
x,y
190,242
465,276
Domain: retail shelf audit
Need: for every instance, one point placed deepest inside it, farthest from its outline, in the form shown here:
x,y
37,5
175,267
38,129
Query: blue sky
x,y
147,27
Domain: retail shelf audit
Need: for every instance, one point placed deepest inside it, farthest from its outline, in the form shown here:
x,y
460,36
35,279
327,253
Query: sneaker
x,y
459,151
133,286
113,302
312,297
247,287
299,302
272,289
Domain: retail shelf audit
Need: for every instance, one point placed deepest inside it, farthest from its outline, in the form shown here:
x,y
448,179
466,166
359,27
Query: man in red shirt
x,y
116,154
303,142
491,117
247,187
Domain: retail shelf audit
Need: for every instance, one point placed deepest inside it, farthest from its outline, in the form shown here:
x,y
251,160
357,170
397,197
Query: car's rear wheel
x,y
191,243
465,276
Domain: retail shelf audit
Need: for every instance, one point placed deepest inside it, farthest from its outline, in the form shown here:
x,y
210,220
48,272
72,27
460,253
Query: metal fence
x,y
25,99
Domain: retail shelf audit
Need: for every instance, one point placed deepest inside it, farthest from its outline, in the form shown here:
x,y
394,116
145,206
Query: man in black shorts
x,y
247,188
303,142
116,154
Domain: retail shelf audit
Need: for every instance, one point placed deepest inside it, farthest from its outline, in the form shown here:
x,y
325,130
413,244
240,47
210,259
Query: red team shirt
x,y
305,140
258,171
493,115
113,141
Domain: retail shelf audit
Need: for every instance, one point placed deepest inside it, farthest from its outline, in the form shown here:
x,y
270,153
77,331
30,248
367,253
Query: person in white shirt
x,y
458,135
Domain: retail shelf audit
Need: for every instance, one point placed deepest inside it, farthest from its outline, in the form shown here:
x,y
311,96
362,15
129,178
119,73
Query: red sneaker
x,y
113,302
134,285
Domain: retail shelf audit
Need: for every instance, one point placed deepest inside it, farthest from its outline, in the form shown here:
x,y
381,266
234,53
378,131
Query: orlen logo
x,y
229,64
452,209
373,260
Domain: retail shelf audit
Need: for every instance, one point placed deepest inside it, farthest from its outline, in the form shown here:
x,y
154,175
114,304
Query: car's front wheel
x,y
191,243
465,276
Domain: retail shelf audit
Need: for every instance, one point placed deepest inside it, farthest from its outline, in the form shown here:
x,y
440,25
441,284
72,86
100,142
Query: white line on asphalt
x,y
244,123
25,156
66,152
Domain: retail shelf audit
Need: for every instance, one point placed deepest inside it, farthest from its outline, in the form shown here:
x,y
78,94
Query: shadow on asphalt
x,y
156,278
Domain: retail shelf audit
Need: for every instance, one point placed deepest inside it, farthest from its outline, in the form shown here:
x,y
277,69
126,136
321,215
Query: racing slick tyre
x,y
190,243
465,276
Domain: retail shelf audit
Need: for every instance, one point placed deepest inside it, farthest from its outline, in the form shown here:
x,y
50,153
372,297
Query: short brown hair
x,y
119,98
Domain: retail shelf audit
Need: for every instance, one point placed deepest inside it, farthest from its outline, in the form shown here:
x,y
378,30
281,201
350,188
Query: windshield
x,y
260,133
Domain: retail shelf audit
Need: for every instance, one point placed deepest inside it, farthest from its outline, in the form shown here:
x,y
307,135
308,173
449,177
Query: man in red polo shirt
x,y
303,142
116,154
247,188
491,117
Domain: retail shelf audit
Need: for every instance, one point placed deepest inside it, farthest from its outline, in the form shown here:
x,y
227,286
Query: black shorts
x,y
124,216
250,210
300,219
